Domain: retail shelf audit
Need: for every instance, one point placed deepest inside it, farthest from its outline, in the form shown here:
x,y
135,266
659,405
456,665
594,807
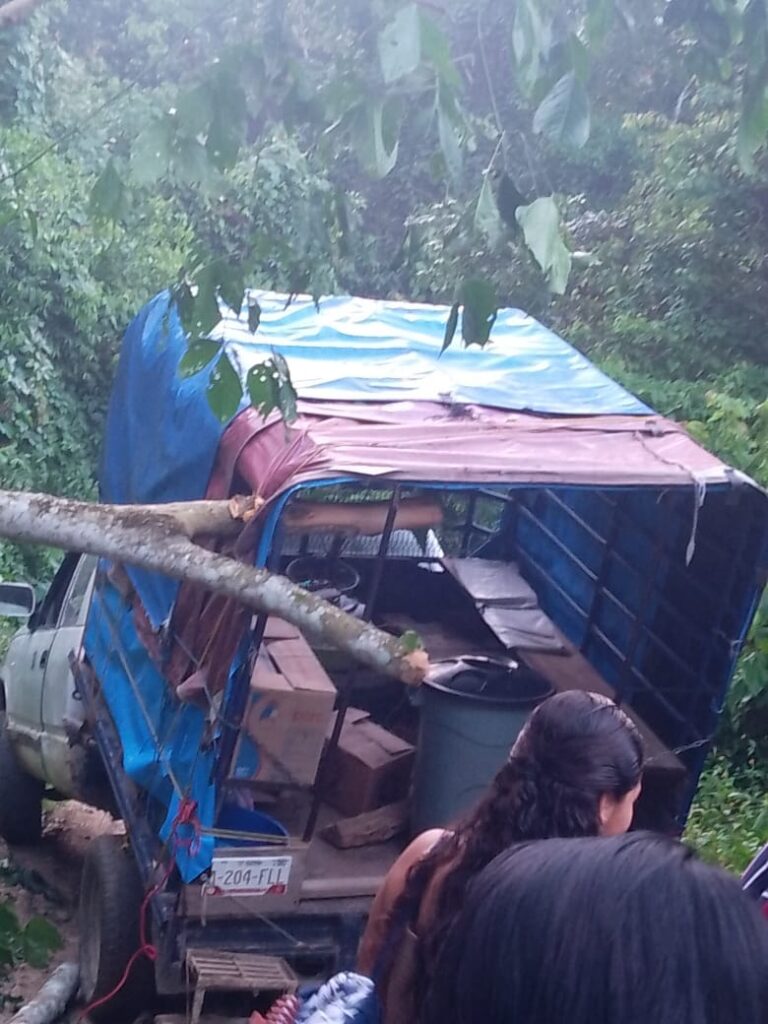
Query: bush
x,y
728,822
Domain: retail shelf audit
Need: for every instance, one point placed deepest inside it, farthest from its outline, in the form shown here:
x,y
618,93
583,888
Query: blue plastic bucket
x,y
239,819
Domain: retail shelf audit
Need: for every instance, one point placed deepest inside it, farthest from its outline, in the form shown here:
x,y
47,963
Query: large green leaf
x,y
375,137
450,327
199,355
232,286
531,39
449,138
479,308
108,197
225,391
195,110
540,222
199,306
270,388
487,217
190,163
563,114
39,939
254,315
400,44
229,111
152,152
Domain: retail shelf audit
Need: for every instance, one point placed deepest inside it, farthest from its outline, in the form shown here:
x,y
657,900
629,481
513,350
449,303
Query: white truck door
x,y
25,669
61,711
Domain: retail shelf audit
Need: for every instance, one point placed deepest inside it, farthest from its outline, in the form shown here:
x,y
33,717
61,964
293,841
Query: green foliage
x,y
476,298
32,943
540,223
563,114
69,286
728,822
679,279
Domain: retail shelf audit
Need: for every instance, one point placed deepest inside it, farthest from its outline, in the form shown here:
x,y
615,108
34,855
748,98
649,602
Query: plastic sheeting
x,y
367,350
161,436
162,740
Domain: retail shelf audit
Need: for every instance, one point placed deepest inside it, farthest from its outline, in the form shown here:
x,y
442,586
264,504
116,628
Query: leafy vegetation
x,y
729,821
32,943
600,163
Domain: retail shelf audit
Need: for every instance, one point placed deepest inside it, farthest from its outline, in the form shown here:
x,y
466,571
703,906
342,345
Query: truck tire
x,y
111,898
21,797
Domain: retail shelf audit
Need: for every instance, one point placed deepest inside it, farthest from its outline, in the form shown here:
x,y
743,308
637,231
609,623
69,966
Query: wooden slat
x,y
224,970
377,826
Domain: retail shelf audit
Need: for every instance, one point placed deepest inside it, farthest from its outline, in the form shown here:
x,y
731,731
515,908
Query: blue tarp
x,y
161,739
162,439
366,350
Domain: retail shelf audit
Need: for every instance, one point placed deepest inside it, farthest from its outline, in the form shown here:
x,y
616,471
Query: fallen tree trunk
x,y
52,999
157,538
191,518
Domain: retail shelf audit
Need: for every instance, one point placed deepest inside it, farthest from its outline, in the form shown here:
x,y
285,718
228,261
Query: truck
x,y
523,515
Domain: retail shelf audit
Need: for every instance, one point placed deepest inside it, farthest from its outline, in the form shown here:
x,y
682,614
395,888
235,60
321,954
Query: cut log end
x,y
414,668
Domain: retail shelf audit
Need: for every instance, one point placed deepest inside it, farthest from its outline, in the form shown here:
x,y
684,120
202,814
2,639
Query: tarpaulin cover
x,y
376,399
161,436
367,350
161,739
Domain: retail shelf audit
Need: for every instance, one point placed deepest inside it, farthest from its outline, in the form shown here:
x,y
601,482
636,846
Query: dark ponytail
x,y
575,748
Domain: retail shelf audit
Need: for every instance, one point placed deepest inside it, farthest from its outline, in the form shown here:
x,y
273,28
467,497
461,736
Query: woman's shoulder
x,y
416,850
422,844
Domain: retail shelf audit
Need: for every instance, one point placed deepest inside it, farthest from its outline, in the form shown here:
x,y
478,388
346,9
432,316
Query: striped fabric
x,y
755,879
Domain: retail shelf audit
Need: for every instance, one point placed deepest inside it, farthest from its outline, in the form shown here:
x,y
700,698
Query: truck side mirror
x,y
17,600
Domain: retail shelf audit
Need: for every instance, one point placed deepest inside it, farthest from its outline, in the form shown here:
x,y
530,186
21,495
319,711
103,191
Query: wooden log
x,y
156,541
377,826
52,999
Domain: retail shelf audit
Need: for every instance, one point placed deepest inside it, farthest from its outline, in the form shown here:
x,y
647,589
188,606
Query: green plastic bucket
x,y
472,710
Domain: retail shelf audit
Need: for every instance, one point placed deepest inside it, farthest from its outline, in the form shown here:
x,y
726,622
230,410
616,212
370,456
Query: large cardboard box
x,y
369,769
289,712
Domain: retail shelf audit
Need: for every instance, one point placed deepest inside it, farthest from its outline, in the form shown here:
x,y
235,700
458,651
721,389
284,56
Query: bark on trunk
x,y
153,538
191,518
52,999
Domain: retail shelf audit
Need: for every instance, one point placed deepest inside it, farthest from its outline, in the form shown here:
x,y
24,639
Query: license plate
x,y
249,876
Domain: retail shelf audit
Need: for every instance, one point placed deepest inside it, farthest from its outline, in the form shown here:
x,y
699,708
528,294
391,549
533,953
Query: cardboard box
x,y
370,768
289,712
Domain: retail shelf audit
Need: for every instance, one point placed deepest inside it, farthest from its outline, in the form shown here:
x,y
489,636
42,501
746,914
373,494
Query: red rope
x,y
186,815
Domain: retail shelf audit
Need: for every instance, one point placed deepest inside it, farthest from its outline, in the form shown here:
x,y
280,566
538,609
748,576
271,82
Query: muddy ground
x,y
44,880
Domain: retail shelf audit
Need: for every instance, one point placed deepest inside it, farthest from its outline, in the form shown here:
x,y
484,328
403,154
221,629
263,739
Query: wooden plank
x,y
377,826
341,888
368,518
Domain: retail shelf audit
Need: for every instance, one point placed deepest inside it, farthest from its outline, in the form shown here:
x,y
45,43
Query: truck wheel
x,y
21,797
111,898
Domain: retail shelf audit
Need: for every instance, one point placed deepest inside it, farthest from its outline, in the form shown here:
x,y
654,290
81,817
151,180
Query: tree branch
x,y
152,538
15,11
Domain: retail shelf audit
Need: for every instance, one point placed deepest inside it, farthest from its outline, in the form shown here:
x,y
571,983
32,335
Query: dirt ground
x,y
44,880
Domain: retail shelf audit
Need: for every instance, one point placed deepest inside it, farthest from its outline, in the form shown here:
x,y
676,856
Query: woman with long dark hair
x,y
629,930
574,771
